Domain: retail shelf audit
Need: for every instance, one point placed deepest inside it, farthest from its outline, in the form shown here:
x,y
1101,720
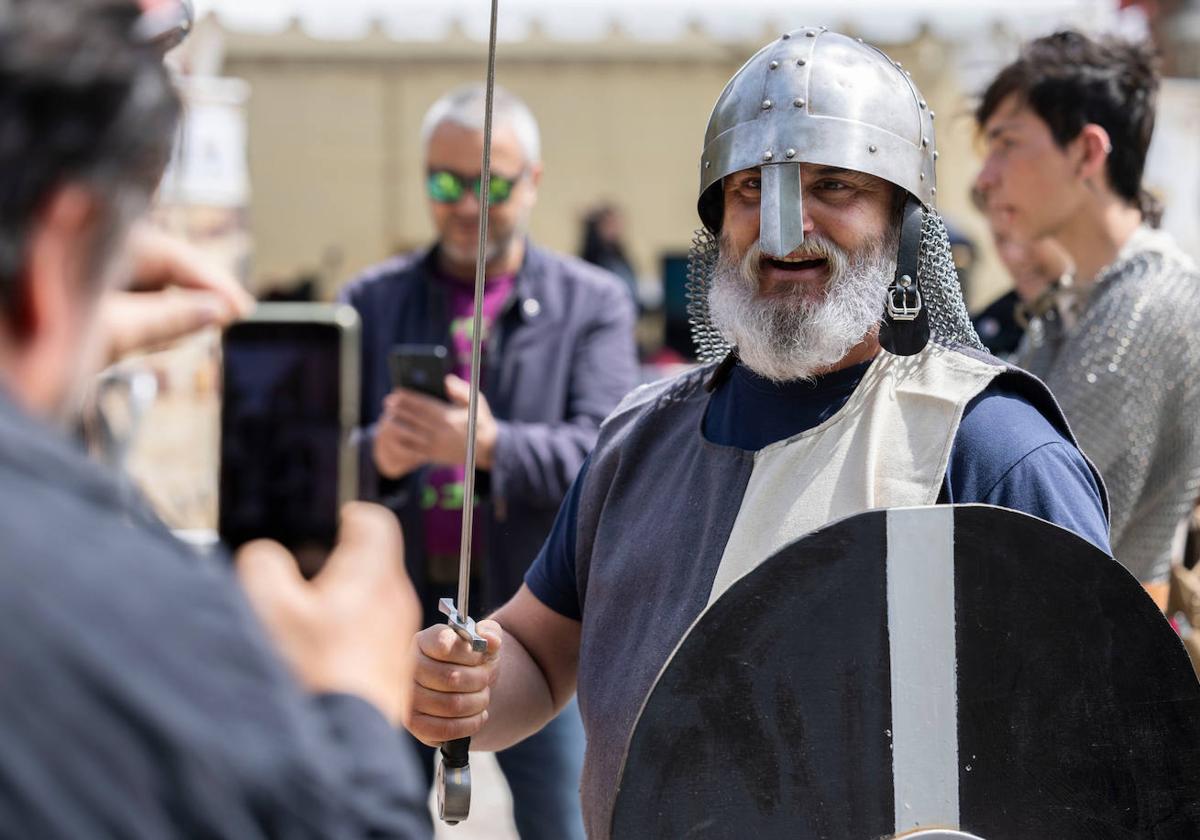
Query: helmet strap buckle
x,y
904,330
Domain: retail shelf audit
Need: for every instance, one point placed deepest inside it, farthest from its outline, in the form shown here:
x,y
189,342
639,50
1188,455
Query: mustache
x,y
815,247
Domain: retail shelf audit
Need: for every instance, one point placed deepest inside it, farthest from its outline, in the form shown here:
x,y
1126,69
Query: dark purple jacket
x,y
559,360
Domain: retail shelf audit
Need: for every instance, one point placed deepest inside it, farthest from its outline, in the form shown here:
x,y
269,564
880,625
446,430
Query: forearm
x,y
522,699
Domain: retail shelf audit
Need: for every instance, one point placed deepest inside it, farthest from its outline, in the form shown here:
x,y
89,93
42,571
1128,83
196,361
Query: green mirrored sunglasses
x,y
447,187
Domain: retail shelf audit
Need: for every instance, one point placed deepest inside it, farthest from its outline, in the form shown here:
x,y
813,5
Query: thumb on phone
x,y
458,390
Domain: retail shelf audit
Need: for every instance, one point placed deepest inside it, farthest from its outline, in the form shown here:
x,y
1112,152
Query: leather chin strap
x,y
904,330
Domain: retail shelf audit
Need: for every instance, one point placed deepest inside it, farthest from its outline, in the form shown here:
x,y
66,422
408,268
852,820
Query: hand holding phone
x,y
361,608
416,429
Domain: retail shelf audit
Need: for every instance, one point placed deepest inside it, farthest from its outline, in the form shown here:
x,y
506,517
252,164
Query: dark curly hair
x,y
82,101
1070,80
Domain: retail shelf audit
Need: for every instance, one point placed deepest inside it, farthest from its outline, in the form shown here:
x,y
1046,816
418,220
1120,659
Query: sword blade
x,y
464,556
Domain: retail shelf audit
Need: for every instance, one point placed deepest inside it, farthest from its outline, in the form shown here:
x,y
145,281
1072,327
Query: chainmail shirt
x,y
1124,364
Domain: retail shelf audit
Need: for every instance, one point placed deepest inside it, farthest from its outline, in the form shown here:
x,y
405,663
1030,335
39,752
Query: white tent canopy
x,y
663,20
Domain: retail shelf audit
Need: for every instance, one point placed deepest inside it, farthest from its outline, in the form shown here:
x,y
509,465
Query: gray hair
x,y
464,106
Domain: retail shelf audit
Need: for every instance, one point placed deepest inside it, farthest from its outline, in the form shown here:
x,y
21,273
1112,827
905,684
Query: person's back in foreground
x,y
142,697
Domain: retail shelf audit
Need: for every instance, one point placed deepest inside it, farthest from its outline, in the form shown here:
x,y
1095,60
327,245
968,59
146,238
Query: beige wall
x,y
334,148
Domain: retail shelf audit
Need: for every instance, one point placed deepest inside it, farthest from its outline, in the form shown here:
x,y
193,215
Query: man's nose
x,y
468,205
806,218
987,178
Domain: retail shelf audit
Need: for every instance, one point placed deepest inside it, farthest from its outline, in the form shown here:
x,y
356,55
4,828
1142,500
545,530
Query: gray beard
x,y
795,337
494,249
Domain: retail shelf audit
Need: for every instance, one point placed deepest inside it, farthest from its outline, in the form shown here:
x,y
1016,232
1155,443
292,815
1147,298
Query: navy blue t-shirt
x,y
1006,453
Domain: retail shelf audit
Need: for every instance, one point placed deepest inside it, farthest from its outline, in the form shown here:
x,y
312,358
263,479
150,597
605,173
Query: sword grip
x,y
455,753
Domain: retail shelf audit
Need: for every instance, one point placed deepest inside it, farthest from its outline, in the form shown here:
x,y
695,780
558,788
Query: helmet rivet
x,y
860,40
787,35
790,153
905,281
774,65
872,148
766,106
800,62
932,115
799,103
707,164
924,141
898,64
811,34
933,190
922,176
922,103
768,155
935,154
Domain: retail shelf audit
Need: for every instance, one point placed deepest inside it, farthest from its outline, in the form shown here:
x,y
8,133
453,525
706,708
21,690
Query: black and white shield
x,y
968,668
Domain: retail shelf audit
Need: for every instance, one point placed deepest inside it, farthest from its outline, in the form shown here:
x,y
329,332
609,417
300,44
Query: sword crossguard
x,y
464,627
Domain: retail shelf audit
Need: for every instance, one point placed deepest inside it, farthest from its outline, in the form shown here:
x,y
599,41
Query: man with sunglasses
x,y
558,355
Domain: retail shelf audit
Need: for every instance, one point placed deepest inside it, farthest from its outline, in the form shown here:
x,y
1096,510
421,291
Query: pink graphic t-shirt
x,y
442,495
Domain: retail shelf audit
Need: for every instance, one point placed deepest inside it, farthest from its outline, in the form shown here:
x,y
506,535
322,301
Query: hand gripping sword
x,y
454,768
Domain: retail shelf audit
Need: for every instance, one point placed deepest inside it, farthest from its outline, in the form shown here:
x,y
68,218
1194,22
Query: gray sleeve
x,y
379,767
143,700
536,462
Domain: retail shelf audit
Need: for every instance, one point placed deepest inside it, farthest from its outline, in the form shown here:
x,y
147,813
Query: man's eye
x,y
833,186
752,184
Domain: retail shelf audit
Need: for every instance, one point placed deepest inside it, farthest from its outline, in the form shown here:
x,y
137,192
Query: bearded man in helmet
x,y
842,375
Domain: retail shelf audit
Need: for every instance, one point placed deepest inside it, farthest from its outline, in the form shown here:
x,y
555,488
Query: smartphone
x,y
420,367
290,404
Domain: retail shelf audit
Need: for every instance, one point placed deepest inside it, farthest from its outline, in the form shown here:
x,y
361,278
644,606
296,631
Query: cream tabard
x,y
888,446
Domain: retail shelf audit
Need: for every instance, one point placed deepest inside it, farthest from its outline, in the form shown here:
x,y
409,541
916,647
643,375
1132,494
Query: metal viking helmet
x,y
814,96
819,97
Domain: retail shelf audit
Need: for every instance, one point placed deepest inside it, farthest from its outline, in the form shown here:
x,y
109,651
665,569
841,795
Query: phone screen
x,y
281,436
